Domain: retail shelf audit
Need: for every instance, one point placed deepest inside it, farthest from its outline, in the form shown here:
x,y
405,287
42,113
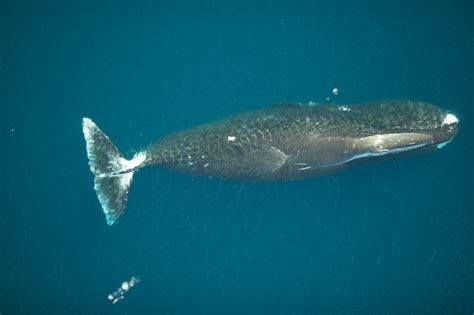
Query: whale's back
x,y
289,141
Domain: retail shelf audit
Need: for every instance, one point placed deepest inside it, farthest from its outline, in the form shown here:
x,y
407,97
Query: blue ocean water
x,y
395,236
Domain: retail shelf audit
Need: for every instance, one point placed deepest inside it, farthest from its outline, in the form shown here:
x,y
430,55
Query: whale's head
x,y
444,133
405,126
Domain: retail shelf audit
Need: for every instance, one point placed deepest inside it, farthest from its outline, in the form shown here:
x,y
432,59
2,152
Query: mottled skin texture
x,y
292,141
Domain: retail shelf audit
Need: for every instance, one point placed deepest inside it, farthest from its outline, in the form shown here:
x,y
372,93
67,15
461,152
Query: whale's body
x,y
277,143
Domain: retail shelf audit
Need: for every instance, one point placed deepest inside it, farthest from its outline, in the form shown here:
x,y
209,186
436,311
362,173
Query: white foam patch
x,y
450,119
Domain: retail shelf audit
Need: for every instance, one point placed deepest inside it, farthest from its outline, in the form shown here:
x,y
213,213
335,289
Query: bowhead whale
x,y
277,143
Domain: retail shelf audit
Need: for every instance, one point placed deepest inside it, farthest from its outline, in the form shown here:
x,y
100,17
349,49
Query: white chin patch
x,y
439,146
450,119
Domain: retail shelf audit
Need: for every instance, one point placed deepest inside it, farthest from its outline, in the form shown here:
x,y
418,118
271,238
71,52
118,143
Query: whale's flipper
x,y
113,173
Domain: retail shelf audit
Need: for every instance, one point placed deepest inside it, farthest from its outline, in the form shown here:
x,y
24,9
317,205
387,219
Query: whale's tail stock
x,y
113,173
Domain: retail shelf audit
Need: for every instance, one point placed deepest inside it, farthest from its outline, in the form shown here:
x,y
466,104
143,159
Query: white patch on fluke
x,y
450,119
137,161
87,127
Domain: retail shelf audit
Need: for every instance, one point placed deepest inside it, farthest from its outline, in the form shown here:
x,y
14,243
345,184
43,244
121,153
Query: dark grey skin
x,y
297,141
277,143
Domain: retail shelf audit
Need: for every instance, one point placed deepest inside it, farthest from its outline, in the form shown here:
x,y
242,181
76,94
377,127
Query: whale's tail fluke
x,y
113,173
